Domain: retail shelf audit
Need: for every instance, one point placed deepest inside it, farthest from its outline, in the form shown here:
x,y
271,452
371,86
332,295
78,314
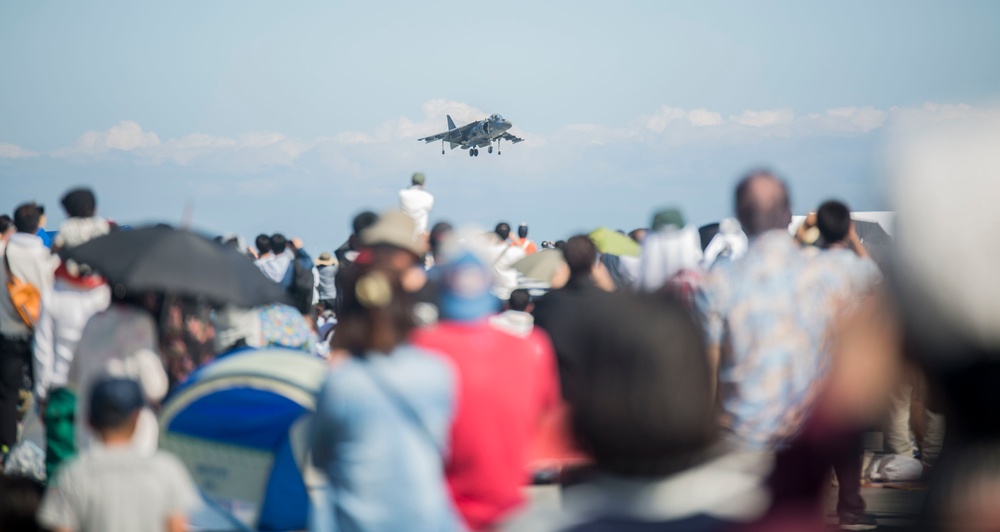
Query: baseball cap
x,y
464,288
666,217
418,178
113,400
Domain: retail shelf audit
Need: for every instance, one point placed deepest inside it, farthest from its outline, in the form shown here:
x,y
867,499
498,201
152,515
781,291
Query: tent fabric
x,y
237,424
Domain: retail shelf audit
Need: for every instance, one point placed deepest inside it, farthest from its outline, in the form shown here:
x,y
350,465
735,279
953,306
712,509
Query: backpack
x,y
24,296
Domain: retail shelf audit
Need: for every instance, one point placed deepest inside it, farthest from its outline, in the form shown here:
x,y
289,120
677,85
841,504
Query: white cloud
x,y
13,151
765,118
123,136
704,117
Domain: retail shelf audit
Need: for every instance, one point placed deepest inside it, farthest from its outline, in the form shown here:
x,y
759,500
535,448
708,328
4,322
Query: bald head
x,y
762,203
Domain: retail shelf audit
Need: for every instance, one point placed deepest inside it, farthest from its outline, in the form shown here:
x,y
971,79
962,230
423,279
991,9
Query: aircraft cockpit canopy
x,y
495,117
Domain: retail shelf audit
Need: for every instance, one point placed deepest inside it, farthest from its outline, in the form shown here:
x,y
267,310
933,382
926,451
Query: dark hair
x,y
635,234
20,498
519,300
278,243
502,230
79,203
559,244
437,236
363,325
5,223
26,218
363,220
833,219
639,395
761,211
263,243
580,254
522,231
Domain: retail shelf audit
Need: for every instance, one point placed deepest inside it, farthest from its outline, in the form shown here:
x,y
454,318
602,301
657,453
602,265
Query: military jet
x,y
475,135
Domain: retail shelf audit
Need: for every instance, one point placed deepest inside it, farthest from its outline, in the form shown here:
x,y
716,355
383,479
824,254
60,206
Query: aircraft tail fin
x,y
451,123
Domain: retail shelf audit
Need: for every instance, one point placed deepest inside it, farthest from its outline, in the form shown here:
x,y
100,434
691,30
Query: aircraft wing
x,y
454,134
511,138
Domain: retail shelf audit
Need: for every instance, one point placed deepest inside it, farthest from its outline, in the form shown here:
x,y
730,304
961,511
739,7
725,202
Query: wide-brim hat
x,y
325,259
396,229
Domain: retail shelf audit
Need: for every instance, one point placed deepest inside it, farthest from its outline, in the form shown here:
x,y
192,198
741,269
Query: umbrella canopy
x,y
163,259
615,243
541,265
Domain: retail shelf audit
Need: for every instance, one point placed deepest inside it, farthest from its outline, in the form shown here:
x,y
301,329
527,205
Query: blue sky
x,y
292,116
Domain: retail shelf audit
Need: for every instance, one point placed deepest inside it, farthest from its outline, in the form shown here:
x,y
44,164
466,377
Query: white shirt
x,y
65,311
504,275
275,266
514,322
416,203
120,341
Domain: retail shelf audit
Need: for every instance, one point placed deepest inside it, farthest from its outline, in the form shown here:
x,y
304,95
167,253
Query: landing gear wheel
x,y
472,153
475,153
490,150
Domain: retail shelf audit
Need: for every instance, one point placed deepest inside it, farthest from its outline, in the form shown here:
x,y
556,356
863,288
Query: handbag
x,y
24,296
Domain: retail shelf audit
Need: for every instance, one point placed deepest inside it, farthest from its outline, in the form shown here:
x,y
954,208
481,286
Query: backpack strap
x,y
401,404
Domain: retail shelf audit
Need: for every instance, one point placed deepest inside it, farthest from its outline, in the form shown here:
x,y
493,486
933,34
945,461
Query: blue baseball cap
x,y
464,289
113,400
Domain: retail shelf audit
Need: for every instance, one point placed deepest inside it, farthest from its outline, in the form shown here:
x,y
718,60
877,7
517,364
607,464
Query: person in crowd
x,y
439,233
25,259
416,202
41,232
506,386
771,378
557,311
276,266
671,254
516,319
76,296
380,432
82,222
123,341
638,235
349,250
504,255
326,269
641,407
522,241
113,487
263,246
727,244
6,227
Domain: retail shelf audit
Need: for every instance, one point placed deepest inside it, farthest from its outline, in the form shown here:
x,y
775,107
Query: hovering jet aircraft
x,y
475,135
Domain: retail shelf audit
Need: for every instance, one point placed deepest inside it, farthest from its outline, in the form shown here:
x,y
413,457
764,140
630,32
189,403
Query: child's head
x,y
114,407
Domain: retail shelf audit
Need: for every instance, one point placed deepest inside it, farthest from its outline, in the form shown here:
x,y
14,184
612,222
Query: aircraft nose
x,y
506,124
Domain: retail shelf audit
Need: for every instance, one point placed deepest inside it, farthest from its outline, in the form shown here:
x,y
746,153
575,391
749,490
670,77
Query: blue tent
x,y
240,426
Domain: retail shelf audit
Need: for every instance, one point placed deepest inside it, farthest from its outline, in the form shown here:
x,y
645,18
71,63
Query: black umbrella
x,y
163,259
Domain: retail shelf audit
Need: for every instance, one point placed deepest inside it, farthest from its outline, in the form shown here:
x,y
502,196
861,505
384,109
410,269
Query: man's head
x,y
26,218
6,225
638,235
522,230
418,179
439,232
114,406
762,203
363,220
278,243
520,300
79,203
581,255
640,350
502,230
263,243
833,219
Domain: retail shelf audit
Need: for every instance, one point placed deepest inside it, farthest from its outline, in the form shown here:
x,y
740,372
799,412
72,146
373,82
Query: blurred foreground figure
x,y
769,318
381,427
506,386
950,298
641,406
113,487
